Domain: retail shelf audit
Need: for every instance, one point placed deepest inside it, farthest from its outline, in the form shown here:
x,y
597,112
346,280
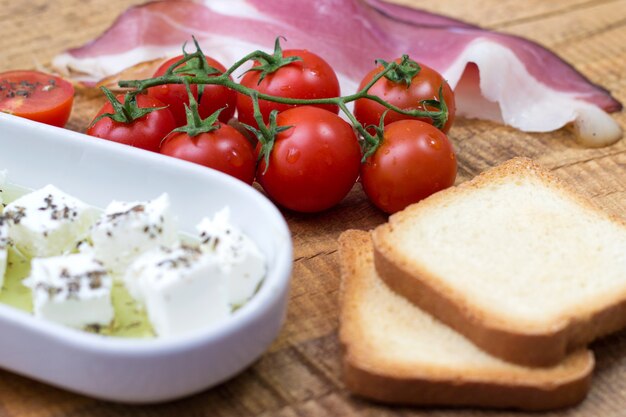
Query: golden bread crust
x,y
368,376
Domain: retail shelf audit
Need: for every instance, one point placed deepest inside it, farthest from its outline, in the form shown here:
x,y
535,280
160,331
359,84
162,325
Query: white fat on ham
x,y
488,95
239,8
93,69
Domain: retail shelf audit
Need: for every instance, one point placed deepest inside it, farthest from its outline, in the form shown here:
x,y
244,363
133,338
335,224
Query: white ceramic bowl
x,y
127,370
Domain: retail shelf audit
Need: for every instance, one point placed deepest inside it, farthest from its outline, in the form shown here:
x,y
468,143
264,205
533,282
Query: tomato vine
x,y
193,69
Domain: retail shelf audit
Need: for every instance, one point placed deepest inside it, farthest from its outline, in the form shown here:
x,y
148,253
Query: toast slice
x,y
396,353
515,261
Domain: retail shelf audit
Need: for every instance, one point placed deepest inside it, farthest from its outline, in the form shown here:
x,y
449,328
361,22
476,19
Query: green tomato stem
x,y
250,57
258,117
223,80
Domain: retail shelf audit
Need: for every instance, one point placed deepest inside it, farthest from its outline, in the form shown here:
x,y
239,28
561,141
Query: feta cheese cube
x,y
4,244
126,230
240,260
181,289
48,222
74,290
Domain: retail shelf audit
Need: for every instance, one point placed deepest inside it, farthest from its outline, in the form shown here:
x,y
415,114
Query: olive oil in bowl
x,y
130,320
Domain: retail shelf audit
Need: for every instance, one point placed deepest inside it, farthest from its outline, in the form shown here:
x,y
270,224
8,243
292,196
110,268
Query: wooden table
x,y
300,374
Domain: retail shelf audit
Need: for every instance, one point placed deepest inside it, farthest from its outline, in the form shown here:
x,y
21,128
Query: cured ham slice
x,y
495,76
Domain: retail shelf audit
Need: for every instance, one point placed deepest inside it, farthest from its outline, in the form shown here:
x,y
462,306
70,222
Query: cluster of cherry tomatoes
x,y
317,157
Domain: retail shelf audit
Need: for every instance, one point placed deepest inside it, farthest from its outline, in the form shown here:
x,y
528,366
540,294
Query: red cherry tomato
x,y
424,86
309,78
146,132
314,164
36,96
224,149
214,97
414,161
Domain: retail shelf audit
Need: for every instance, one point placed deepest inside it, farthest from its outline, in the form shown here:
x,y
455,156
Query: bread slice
x,y
396,353
515,261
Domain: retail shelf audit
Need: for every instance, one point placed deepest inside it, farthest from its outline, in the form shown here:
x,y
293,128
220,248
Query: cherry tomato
x,y
414,161
214,97
224,149
146,132
424,86
309,78
36,96
314,164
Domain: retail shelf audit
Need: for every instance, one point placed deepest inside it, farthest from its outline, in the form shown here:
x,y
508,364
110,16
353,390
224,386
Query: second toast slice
x,y
396,353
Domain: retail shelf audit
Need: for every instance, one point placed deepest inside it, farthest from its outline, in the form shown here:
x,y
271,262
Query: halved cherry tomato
x,y
414,161
214,97
313,164
36,96
424,86
224,149
309,78
147,132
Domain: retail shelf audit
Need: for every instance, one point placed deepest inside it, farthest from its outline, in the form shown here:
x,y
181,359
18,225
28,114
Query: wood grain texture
x,y
300,374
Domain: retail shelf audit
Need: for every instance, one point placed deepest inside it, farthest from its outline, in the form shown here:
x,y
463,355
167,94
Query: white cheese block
x,y
4,244
241,262
126,230
48,222
181,289
74,290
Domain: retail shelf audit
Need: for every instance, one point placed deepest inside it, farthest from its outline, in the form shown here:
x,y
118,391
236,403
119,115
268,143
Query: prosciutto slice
x,y
497,77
